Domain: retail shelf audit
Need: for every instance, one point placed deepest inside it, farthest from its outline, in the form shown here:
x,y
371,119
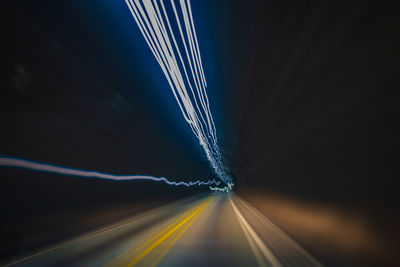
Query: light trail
x,y
256,243
225,189
175,47
56,169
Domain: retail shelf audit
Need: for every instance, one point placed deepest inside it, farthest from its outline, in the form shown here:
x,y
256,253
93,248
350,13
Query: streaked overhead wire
x,y
168,28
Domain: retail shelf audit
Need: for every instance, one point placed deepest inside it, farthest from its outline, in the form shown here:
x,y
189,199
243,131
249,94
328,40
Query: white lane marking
x,y
255,239
253,246
280,234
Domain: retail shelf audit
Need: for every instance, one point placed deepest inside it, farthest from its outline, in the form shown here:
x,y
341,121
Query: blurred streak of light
x,y
301,256
225,189
153,243
50,168
166,44
256,244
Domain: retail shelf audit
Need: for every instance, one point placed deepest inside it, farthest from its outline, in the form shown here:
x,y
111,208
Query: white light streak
x,y
175,47
56,169
225,189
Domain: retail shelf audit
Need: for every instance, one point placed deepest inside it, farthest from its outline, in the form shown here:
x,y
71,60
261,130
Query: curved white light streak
x,y
56,169
182,69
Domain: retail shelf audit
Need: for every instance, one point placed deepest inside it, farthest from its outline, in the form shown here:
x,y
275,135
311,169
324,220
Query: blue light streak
x,y
174,45
56,169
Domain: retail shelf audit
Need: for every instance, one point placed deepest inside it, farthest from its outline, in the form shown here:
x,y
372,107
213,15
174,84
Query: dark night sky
x,y
303,93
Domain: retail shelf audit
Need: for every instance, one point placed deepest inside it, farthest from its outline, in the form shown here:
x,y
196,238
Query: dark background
x,y
304,95
313,101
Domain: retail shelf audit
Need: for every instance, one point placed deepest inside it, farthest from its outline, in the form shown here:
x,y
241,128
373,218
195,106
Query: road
x,y
211,230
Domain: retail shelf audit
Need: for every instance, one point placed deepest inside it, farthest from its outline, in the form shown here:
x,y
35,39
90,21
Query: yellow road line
x,y
172,242
170,232
164,230
122,257
160,236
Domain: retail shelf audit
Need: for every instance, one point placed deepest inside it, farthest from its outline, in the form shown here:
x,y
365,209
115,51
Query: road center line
x,y
199,209
162,233
177,237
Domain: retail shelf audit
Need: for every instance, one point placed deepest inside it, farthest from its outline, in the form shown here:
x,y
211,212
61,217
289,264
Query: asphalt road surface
x,y
211,230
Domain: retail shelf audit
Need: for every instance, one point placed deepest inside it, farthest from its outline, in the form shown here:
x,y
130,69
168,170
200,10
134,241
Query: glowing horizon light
x,y
12,162
175,47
